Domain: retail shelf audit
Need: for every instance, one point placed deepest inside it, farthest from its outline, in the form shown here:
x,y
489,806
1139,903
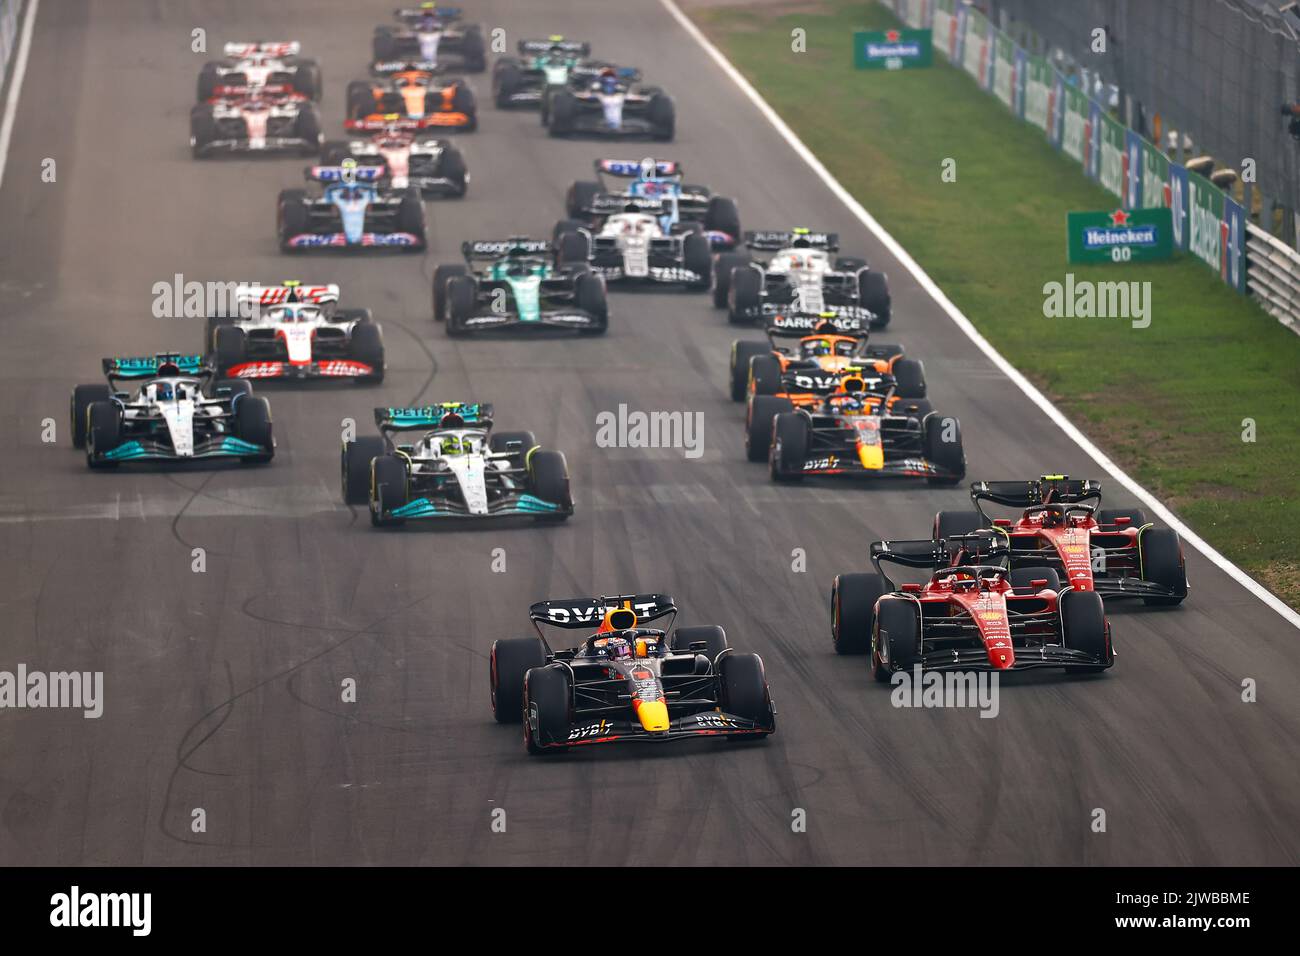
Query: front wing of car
x,y
850,462
270,144
547,319
368,240
431,506
712,723
143,449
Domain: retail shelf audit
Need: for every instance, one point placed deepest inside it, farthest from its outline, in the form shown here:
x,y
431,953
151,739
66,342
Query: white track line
x,y
16,85
965,324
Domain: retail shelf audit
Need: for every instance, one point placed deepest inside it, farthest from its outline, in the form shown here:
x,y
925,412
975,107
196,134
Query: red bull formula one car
x,y
624,681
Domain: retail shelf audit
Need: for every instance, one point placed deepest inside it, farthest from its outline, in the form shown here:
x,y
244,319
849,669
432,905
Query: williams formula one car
x,y
613,104
830,348
864,429
413,91
798,275
433,166
178,413
624,681
522,284
274,66
430,34
973,613
658,185
255,121
352,211
295,331
456,468
1115,552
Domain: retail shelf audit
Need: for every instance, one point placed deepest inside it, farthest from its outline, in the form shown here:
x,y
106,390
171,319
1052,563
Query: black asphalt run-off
x,y
223,688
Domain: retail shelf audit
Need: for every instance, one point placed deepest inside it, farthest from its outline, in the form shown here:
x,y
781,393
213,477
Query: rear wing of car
x,y
304,292
578,47
267,91
926,554
626,74
773,241
143,366
275,48
345,174
384,121
812,323
1049,489
631,168
483,250
609,204
588,612
474,414
387,67
409,15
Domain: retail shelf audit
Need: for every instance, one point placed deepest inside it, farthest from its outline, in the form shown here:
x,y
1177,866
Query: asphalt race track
x,y
223,688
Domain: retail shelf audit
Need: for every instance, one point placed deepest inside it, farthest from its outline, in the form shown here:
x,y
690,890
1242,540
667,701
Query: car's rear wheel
x,y
355,461
910,376
853,611
508,662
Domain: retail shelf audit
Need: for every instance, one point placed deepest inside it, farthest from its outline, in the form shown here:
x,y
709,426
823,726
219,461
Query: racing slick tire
x,y
722,267
354,467
410,217
765,373
451,165
307,79
580,197
722,216
462,101
942,451
853,611
384,44
307,126
360,100
1024,578
462,300
1136,516
473,50
910,376
508,661
758,424
742,691
898,634
546,701
203,129
253,425
949,524
389,488
367,346
83,396
441,274
572,247
290,216
589,295
697,256
229,344
209,80
334,152
1161,555
563,113
548,476
713,637
1083,628
741,354
506,80
103,432
745,295
873,294
792,433
500,441
663,117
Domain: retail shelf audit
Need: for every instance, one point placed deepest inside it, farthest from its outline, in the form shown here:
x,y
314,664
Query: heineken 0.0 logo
x,y
891,49
1120,236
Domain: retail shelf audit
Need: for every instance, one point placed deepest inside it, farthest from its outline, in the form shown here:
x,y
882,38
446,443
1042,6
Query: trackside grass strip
x,y
1170,402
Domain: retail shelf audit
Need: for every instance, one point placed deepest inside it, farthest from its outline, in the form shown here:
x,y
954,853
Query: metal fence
x,y
1273,275
1217,70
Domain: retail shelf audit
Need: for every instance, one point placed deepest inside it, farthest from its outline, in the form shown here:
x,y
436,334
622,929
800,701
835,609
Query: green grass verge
x,y
1166,402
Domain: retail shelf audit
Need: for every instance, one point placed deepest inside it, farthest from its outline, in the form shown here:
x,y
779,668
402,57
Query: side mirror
x,y
1123,521
1038,583
912,588
1002,522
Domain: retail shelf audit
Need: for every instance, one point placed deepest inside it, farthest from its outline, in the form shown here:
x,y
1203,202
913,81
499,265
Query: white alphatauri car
x,y
295,331
631,246
179,412
797,271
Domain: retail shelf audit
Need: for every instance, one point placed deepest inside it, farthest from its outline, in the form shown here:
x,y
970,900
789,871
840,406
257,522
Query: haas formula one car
x,y
1115,552
541,66
352,211
829,349
522,284
416,93
274,66
656,185
624,681
433,166
179,412
295,331
455,468
255,121
974,613
799,275
431,34
612,104
863,429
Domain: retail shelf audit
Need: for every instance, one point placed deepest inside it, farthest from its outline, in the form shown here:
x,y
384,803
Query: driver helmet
x,y
618,648
162,392
608,81
815,348
1053,517
453,445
